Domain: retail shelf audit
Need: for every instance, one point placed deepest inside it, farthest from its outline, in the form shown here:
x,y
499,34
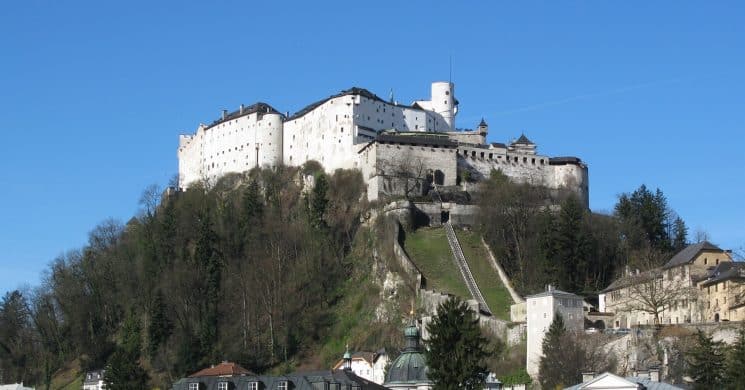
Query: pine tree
x,y
551,369
735,373
456,352
680,234
706,363
160,326
123,371
319,201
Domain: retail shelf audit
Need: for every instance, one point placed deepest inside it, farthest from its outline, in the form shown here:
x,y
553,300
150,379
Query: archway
x,y
716,317
439,177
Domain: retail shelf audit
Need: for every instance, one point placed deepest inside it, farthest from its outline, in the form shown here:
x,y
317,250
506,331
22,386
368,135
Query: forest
x,y
254,269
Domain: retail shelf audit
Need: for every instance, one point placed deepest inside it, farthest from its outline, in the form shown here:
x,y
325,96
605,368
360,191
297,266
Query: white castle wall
x,y
234,145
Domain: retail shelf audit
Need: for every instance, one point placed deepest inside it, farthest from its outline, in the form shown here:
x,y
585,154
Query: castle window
x,y
253,386
282,385
482,154
222,385
533,161
193,386
490,156
447,92
525,159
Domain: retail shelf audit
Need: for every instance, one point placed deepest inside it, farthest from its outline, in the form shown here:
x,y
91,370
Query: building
x,y
368,365
385,140
230,376
541,309
701,283
409,370
15,386
607,381
94,380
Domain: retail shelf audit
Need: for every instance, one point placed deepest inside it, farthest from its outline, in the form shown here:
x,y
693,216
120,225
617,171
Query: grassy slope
x,y
429,250
496,295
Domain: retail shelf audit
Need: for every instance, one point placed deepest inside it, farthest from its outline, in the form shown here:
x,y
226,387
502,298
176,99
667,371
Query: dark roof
x,y
482,123
628,280
725,271
689,253
95,376
351,91
260,107
499,145
555,292
298,380
222,369
420,138
523,140
564,161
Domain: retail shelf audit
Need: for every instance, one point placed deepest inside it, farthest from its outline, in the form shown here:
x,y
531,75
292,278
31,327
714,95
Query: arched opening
x,y
444,216
716,317
439,177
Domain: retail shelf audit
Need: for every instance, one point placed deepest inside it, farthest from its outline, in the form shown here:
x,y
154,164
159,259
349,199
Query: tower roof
x,y
523,140
483,123
410,366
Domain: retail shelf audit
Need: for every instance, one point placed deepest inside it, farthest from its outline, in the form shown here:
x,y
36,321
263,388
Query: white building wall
x,y
540,315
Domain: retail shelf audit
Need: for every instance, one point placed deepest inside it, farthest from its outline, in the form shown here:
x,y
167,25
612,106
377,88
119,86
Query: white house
x,y
540,313
368,365
608,381
94,380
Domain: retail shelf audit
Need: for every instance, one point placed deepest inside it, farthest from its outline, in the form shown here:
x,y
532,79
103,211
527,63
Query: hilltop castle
x,y
387,141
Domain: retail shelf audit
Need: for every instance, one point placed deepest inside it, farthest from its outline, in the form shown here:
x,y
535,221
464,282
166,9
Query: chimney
x,y
588,376
224,114
241,109
654,374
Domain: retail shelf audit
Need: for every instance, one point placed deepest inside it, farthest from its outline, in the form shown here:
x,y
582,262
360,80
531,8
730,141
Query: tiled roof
x,y
689,253
628,280
523,140
351,91
222,369
259,107
556,293
297,381
417,139
725,271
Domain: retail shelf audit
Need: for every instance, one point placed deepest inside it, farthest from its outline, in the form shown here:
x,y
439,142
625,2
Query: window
x,y
193,386
282,385
253,386
222,385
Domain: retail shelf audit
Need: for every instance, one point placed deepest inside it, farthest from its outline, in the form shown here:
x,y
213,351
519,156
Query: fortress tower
x,y
444,102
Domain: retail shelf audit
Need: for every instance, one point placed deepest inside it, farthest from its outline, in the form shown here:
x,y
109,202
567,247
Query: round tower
x,y
269,137
444,102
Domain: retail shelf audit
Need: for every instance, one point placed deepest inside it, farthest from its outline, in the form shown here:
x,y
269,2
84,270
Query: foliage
x,y
207,273
456,348
123,371
644,218
519,377
707,362
735,369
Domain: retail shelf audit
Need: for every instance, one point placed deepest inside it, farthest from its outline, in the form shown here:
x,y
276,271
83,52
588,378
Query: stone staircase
x,y
465,270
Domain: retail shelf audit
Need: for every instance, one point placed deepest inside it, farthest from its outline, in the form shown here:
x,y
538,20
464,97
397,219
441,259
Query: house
x,y
231,376
368,365
608,381
541,309
701,283
94,380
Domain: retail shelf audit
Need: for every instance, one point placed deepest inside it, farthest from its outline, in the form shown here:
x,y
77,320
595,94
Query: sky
x,y
93,95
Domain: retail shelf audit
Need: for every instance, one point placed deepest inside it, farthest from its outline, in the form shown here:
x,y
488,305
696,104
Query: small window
x,y
282,385
253,386
222,385
193,386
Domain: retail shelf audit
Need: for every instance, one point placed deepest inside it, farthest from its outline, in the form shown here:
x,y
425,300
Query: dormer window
x,y
222,385
193,386
282,385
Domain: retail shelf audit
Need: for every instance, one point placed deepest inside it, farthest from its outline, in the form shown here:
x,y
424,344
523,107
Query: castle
x,y
390,143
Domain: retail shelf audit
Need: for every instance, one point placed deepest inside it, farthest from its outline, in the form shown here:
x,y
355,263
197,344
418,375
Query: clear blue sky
x,y
93,95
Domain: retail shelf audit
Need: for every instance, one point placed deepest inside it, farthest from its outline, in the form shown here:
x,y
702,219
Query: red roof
x,y
222,369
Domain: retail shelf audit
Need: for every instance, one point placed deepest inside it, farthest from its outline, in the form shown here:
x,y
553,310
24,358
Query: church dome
x,y
410,367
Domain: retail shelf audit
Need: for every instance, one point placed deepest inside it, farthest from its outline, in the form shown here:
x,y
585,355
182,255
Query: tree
x,y
644,216
456,352
123,371
553,371
648,291
680,234
735,369
408,173
159,328
706,362
319,201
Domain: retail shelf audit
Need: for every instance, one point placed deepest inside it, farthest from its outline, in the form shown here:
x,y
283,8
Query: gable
x,y
609,381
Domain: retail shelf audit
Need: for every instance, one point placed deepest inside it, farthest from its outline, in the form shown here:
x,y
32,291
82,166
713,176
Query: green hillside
x,y
429,249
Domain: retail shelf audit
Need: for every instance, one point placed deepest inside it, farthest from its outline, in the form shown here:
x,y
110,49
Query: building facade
x,y
356,129
94,380
541,309
368,365
699,284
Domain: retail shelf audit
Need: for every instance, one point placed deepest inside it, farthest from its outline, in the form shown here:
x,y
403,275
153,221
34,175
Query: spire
x,y
483,123
347,359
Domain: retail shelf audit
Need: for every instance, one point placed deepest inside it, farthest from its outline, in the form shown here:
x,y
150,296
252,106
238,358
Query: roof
x,y
628,280
222,369
14,386
409,367
725,271
430,139
689,253
482,123
259,107
95,376
298,380
523,140
555,293
611,381
351,91
564,160
369,357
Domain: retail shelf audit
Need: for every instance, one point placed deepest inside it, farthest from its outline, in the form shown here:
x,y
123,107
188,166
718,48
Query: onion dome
x,y
410,367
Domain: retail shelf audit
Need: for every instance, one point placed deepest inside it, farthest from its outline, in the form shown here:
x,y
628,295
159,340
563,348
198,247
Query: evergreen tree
x,y
706,363
252,205
680,234
572,246
456,352
319,201
644,216
735,373
123,371
160,326
563,357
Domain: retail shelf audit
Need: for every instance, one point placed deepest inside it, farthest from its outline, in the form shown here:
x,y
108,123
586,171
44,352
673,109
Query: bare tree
x,y
409,172
150,199
649,292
